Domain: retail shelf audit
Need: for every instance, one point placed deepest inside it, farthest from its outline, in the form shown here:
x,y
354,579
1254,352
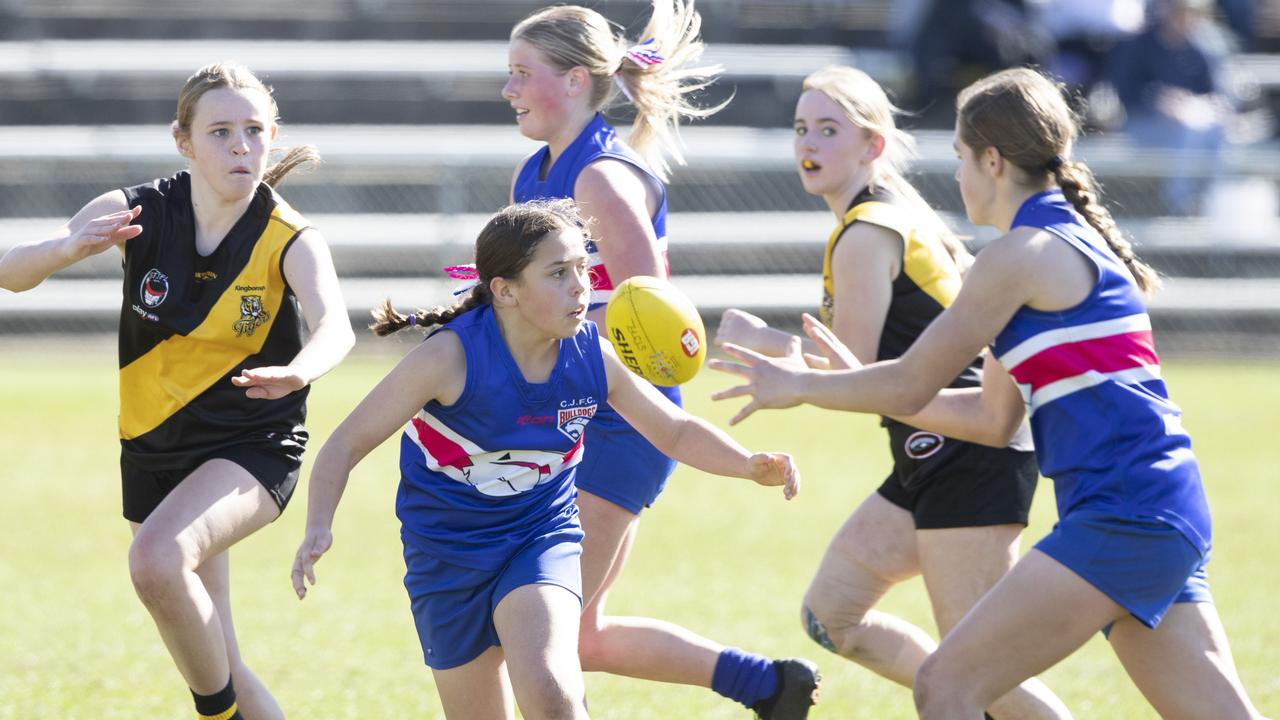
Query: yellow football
x,y
656,330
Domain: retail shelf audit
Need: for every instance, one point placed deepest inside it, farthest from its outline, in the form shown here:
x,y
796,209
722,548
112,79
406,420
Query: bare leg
x,y
253,698
538,626
478,690
1184,666
872,551
1038,614
216,506
636,647
959,566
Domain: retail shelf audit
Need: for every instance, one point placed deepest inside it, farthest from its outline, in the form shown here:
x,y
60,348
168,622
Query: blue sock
x,y
743,676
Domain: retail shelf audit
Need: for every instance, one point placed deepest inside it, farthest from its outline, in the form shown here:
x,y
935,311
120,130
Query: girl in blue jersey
x,y
566,67
214,370
495,408
950,511
1060,300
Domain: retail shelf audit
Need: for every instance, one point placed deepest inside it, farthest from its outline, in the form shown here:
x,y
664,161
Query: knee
x,y
816,629
552,700
592,647
937,690
844,632
155,567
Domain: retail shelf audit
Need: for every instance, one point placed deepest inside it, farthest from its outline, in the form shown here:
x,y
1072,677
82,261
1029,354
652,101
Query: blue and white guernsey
x,y
596,141
483,476
1105,430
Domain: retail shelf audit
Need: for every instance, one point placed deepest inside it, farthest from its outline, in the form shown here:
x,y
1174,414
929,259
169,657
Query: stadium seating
x,y
419,145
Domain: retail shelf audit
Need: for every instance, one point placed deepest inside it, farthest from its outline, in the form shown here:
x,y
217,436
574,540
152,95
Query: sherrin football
x,y
656,330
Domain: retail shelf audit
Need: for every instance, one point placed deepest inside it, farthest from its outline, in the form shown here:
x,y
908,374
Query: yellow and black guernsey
x,y
189,323
927,285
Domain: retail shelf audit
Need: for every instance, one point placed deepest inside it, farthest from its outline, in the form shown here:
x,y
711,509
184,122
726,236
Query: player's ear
x,y
503,292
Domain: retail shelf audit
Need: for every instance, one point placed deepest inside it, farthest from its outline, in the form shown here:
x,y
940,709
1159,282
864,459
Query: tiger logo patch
x,y
251,315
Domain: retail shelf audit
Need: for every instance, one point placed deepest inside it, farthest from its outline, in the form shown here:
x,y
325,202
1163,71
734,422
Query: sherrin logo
x,y
921,445
689,342
155,288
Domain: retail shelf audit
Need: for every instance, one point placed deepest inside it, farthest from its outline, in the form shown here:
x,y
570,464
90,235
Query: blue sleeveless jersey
x,y
487,474
1105,430
597,140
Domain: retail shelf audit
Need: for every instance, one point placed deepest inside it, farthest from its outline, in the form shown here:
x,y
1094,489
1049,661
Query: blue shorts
x,y
1143,564
453,605
622,467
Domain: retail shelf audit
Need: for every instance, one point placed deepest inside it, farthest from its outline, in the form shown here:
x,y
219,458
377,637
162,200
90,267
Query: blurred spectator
x,y
1171,85
959,41
1084,33
1240,15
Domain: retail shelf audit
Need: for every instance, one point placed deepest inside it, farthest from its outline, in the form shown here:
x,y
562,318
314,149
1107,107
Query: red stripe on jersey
x,y
600,279
1105,355
572,455
446,452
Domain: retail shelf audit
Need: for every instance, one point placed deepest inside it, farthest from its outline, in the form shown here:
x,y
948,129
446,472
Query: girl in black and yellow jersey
x,y
220,273
951,511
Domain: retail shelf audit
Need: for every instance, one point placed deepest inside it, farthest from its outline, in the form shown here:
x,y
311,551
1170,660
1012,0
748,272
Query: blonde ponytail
x,y
574,36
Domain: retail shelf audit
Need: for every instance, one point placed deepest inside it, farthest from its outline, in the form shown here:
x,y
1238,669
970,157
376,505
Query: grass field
x,y
719,556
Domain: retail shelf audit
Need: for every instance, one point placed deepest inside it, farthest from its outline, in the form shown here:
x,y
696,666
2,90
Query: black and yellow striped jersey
x,y
189,323
927,285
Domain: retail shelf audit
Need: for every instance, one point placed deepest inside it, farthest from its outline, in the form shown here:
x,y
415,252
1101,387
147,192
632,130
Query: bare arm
x,y
864,263
1005,277
987,415
688,438
308,268
434,370
103,223
620,201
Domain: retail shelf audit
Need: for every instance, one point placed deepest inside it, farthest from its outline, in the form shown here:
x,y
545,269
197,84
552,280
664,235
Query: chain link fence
x,y
398,203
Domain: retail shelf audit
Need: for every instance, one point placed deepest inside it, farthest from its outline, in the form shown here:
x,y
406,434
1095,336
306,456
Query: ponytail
x,y
295,156
1081,189
387,320
653,75
660,92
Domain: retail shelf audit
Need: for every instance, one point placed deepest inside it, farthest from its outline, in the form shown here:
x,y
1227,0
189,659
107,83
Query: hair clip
x,y
463,272
644,54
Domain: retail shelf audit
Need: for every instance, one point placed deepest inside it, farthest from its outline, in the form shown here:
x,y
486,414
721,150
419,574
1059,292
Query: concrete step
x,y
59,82
759,243
51,171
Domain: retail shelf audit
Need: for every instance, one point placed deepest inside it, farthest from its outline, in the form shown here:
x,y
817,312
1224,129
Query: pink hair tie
x,y
463,272
644,54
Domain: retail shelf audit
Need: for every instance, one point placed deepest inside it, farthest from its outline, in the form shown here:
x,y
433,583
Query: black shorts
x,y
275,468
946,483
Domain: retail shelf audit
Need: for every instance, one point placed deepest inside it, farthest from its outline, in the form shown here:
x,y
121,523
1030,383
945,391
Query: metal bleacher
x,y
403,100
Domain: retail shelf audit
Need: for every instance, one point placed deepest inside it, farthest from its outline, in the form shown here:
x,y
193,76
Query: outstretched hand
x,y
269,383
737,327
770,382
773,469
835,354
316,543
102,233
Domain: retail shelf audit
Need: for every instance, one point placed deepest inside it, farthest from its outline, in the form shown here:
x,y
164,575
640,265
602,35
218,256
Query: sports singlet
x,y
1105,430
484,475
597,140
189,323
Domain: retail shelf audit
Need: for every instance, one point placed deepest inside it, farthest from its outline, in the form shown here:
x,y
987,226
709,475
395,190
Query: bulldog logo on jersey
x,y
155,288
573,421
921,445
251,315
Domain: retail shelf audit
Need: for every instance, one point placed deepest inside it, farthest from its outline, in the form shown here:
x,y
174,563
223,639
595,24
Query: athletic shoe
x,y
799,683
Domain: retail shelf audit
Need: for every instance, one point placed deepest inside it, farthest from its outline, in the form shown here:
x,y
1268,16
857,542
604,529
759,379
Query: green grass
x,y
721,557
